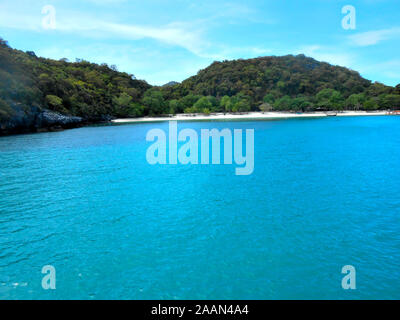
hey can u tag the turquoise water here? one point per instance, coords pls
(324, 193)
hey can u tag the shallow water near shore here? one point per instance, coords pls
(324, 193)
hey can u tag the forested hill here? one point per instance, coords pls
(287, 75)
(37, 93)
(290, 82)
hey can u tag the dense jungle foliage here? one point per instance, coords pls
(288, 83)
(81, 88)
(95, 92)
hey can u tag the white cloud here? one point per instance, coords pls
(172, 34)
(190, 35)
(390, 69)
(373, 37)
(184, 35)
(327, 55)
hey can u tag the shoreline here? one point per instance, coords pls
(199, 117)
(250, 116)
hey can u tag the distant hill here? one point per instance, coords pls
(170, 84)
(38, 93)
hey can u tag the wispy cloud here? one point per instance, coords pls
(230, 12)
(373, 37)
(390, 69)
(185, 35)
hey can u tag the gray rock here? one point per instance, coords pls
(49, 118)
(32, 119)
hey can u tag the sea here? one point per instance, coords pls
(83, 215)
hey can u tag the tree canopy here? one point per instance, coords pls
(92, 91)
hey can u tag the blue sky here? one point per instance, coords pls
(160, 40)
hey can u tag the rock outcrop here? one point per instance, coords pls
(47, 119)
(33, 119)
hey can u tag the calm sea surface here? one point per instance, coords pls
(324, 193)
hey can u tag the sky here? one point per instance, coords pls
(170, 40)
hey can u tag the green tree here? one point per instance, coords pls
(175, 106)
(135, 110)
(214, 103)
(371, 104)
(329, 99)
(283, 103)
(123, 100)
(241, 103)
(202, 104)
(389, 101)
(123, 106)
(355, 101)
(226, 104)
(299, 104)
(189, 100)
(269, 98)
(55, 103)
(154, 101)
(5, 110)
(189, 110)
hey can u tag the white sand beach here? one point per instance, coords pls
(251, 115)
